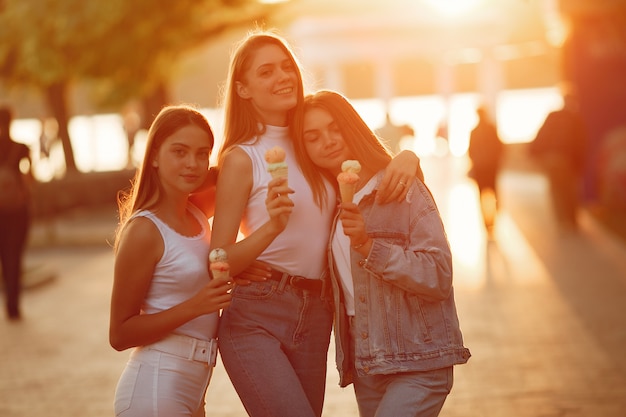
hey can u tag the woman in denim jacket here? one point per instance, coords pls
(396, 326)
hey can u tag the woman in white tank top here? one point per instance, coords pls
(164, 303)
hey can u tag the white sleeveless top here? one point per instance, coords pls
(180, 273)
(301, 248)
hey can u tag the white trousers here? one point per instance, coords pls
(156, 383)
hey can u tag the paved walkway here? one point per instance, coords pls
(543, 314)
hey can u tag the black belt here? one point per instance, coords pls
(314, 285)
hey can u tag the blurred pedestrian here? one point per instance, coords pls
(131, 121)
(15, 212)
(393, 134)
(560, 148)
(442, 130)
(391, 273)
(485, 153)
(164, 303)
(442, 142)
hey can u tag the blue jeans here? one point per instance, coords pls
(403, 394)
(273, 341)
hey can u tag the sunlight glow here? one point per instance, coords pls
(99, 142)
(464, 224)
(454, 7)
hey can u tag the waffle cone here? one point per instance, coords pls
(217, 274)
(347, 192)
(280, 172)
(220, 270)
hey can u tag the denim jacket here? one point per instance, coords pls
(406, 318)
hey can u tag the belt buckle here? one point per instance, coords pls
(294, 281)
(304, 283)
(208, 354)
(212, 352)
(301, 282)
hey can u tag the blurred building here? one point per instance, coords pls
(399, 48)
(419, 47)
(376, 49)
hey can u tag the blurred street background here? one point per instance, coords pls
(542, 312)
(85, 81)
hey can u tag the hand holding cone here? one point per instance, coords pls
(348, 178)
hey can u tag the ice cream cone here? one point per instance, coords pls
(220, 270)
(280, 171)
(347, 191)
(219, 264)
(348, 179)
(276, 165)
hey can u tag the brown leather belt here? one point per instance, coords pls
(313, 285)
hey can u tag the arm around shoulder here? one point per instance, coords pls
(398, 177)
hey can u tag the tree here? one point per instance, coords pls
(128, 48)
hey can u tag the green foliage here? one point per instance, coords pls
(124, 48)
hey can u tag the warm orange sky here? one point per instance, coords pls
(454, 7)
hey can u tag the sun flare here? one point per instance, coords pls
(454, 7)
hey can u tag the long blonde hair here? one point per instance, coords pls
(241, 122)
(362, 142)
(146, 189)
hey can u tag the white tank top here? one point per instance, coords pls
(301, 248)
(180, 273)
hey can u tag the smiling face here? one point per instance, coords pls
(270, 84)
(323, 141)
(182, 160)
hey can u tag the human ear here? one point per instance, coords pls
(242, 91)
